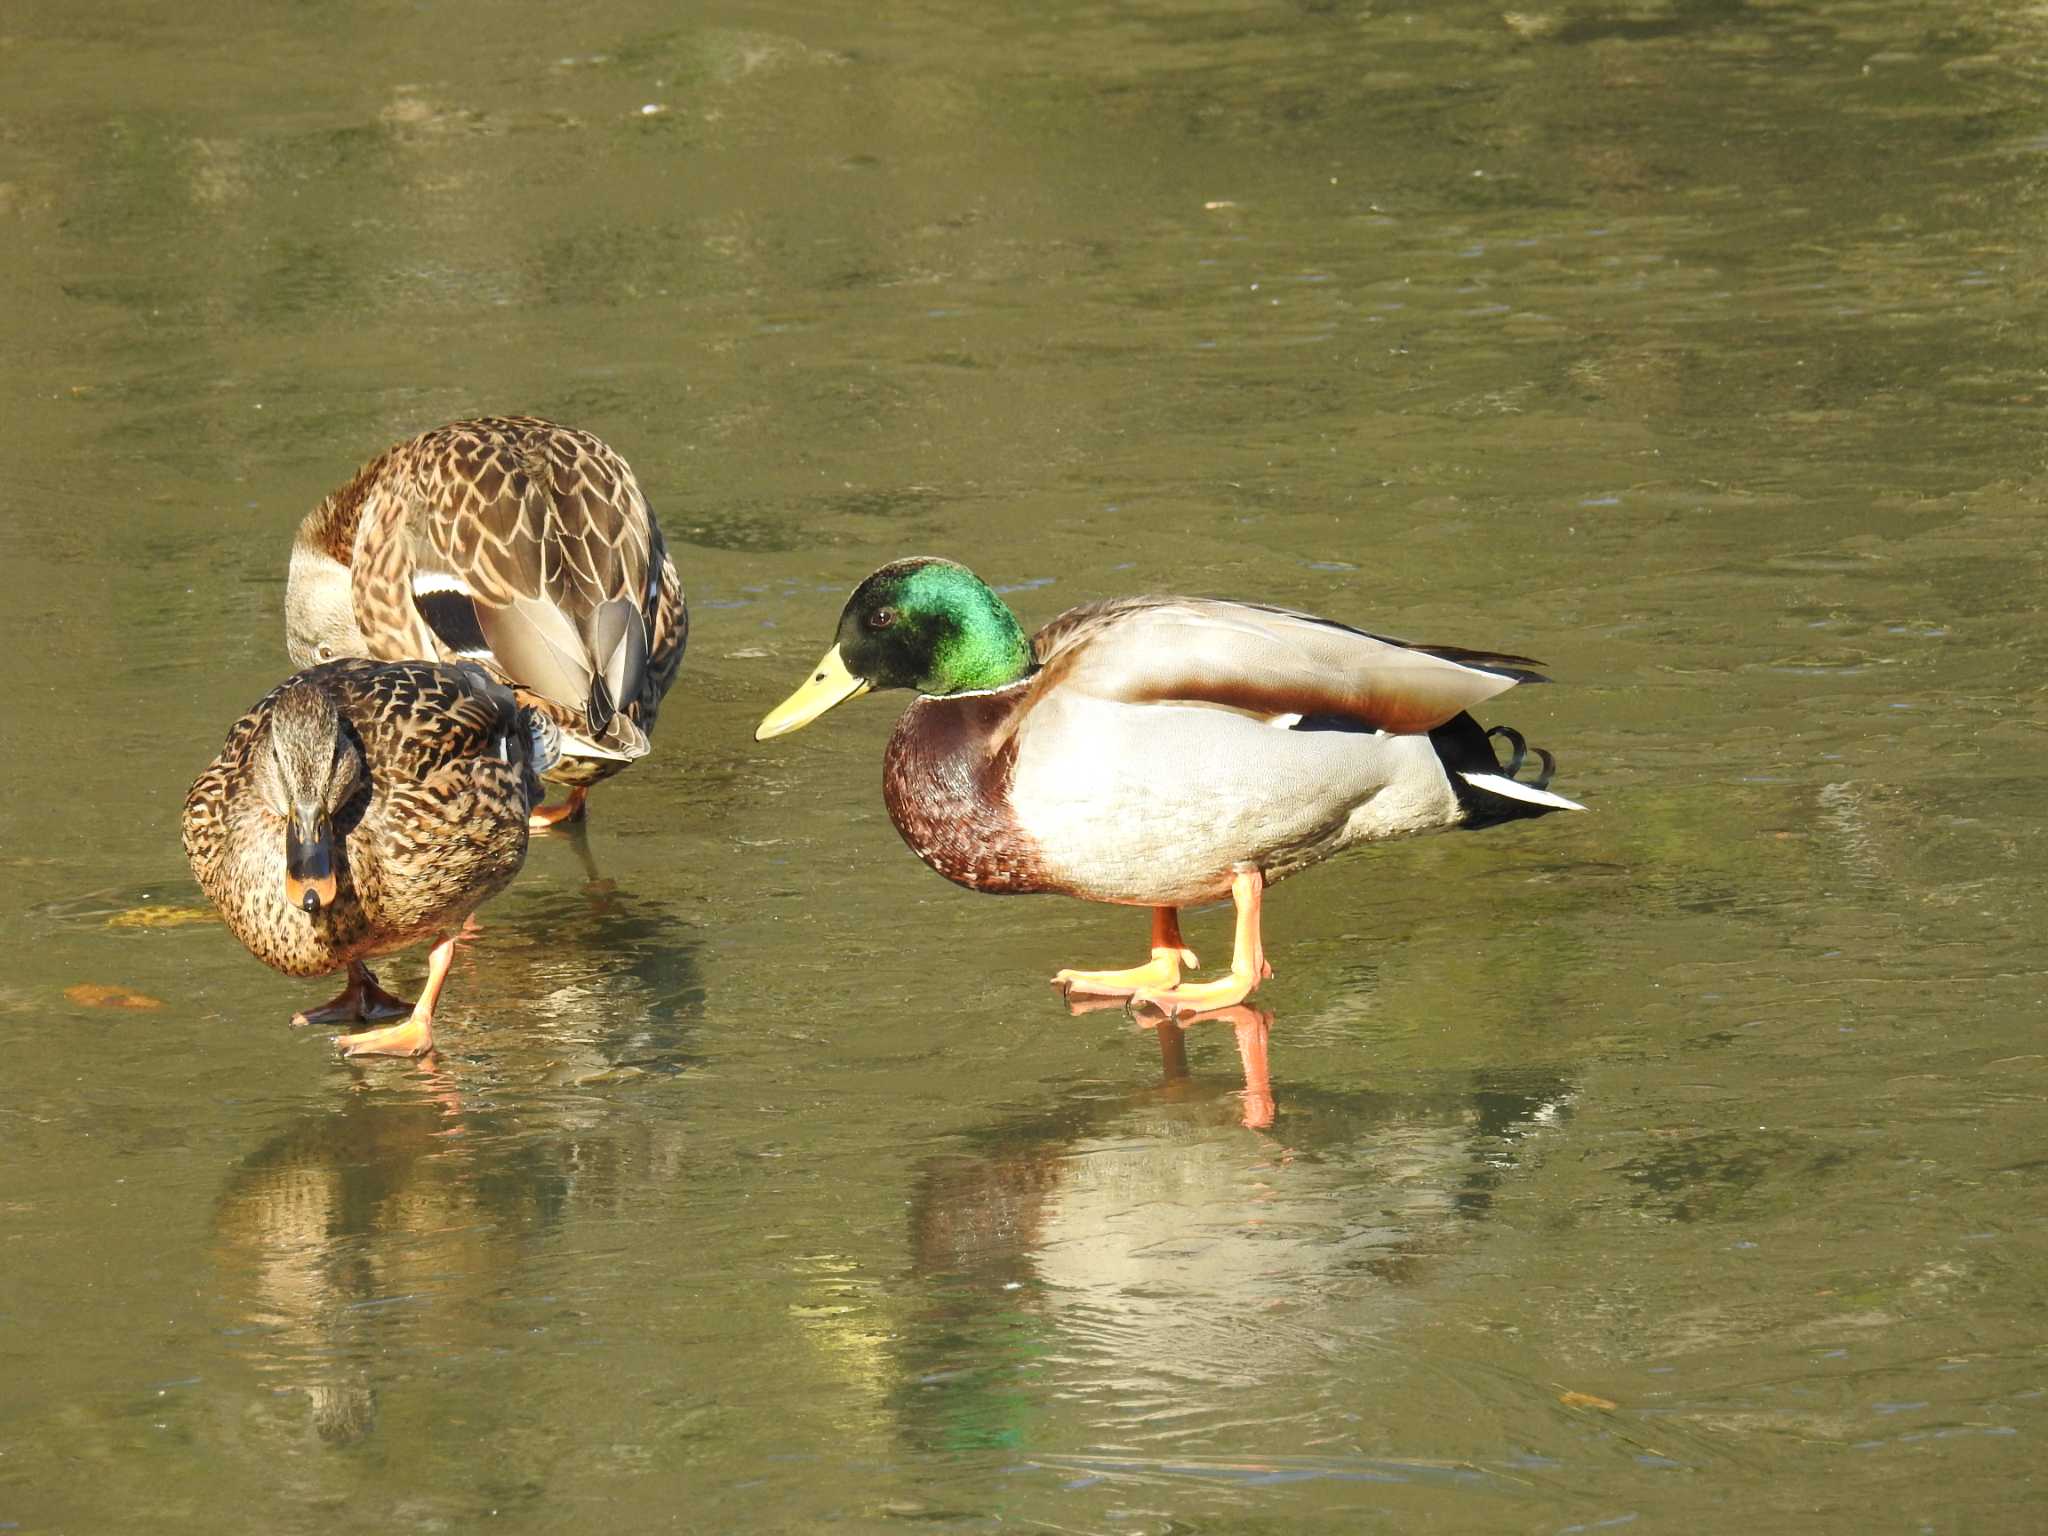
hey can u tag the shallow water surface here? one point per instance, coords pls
(1670, 1167)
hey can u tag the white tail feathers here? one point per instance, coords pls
(630, 743)
(1510, 789)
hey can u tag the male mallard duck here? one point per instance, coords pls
(515, 543)
(1161, 751)
(360, 807)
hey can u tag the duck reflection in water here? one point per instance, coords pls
(1252, 1027)
(1140, 1272)
(330, 1237)
(609, 977)
(402, 1226)
(395, 1224)
(589, 980)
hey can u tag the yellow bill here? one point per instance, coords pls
(829, 684)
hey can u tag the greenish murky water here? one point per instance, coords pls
(1677, 1166)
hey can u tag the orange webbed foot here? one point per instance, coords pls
(1248, 965)
(362, 999)
(543, 817)
(415, 1037)
(1161, 971)
(1193, 997)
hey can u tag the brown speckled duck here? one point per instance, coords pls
(514, 543)
(1162, 751)
(359, 808)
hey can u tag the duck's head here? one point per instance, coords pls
(319, 598)
(926, 624)
(311, 768)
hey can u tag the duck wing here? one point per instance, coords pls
(534, 547)
(1267, 662)
(411, 717)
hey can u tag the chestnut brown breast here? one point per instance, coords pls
(946, 781)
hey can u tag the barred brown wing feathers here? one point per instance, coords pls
(416, 715)
(523, 509)
(519, 545)
(546, 530)
(381, 579)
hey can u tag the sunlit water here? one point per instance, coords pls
(1676, 1165)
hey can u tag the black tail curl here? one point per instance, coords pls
(1516, 741)
(1463, 747)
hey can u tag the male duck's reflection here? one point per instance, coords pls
(1144, 1267)
(1252, 1026)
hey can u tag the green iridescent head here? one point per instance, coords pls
(931, 625)
(926, 624)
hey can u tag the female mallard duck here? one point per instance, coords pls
(515, 543)
(361, 807)
(1161, 751)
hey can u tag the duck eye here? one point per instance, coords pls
(324, 652)
(881, 618)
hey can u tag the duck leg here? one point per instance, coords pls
(1247, 962)
(361, 999)
(1162, 970)
(415, 1037)
(571, 809)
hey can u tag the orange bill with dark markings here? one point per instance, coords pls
(309, 878)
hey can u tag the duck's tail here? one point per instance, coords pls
(1487, 788)
(544, 738)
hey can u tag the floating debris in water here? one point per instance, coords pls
(88, 994)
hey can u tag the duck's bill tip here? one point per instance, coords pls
(829, 684)
(309, 896)
(310, 878)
